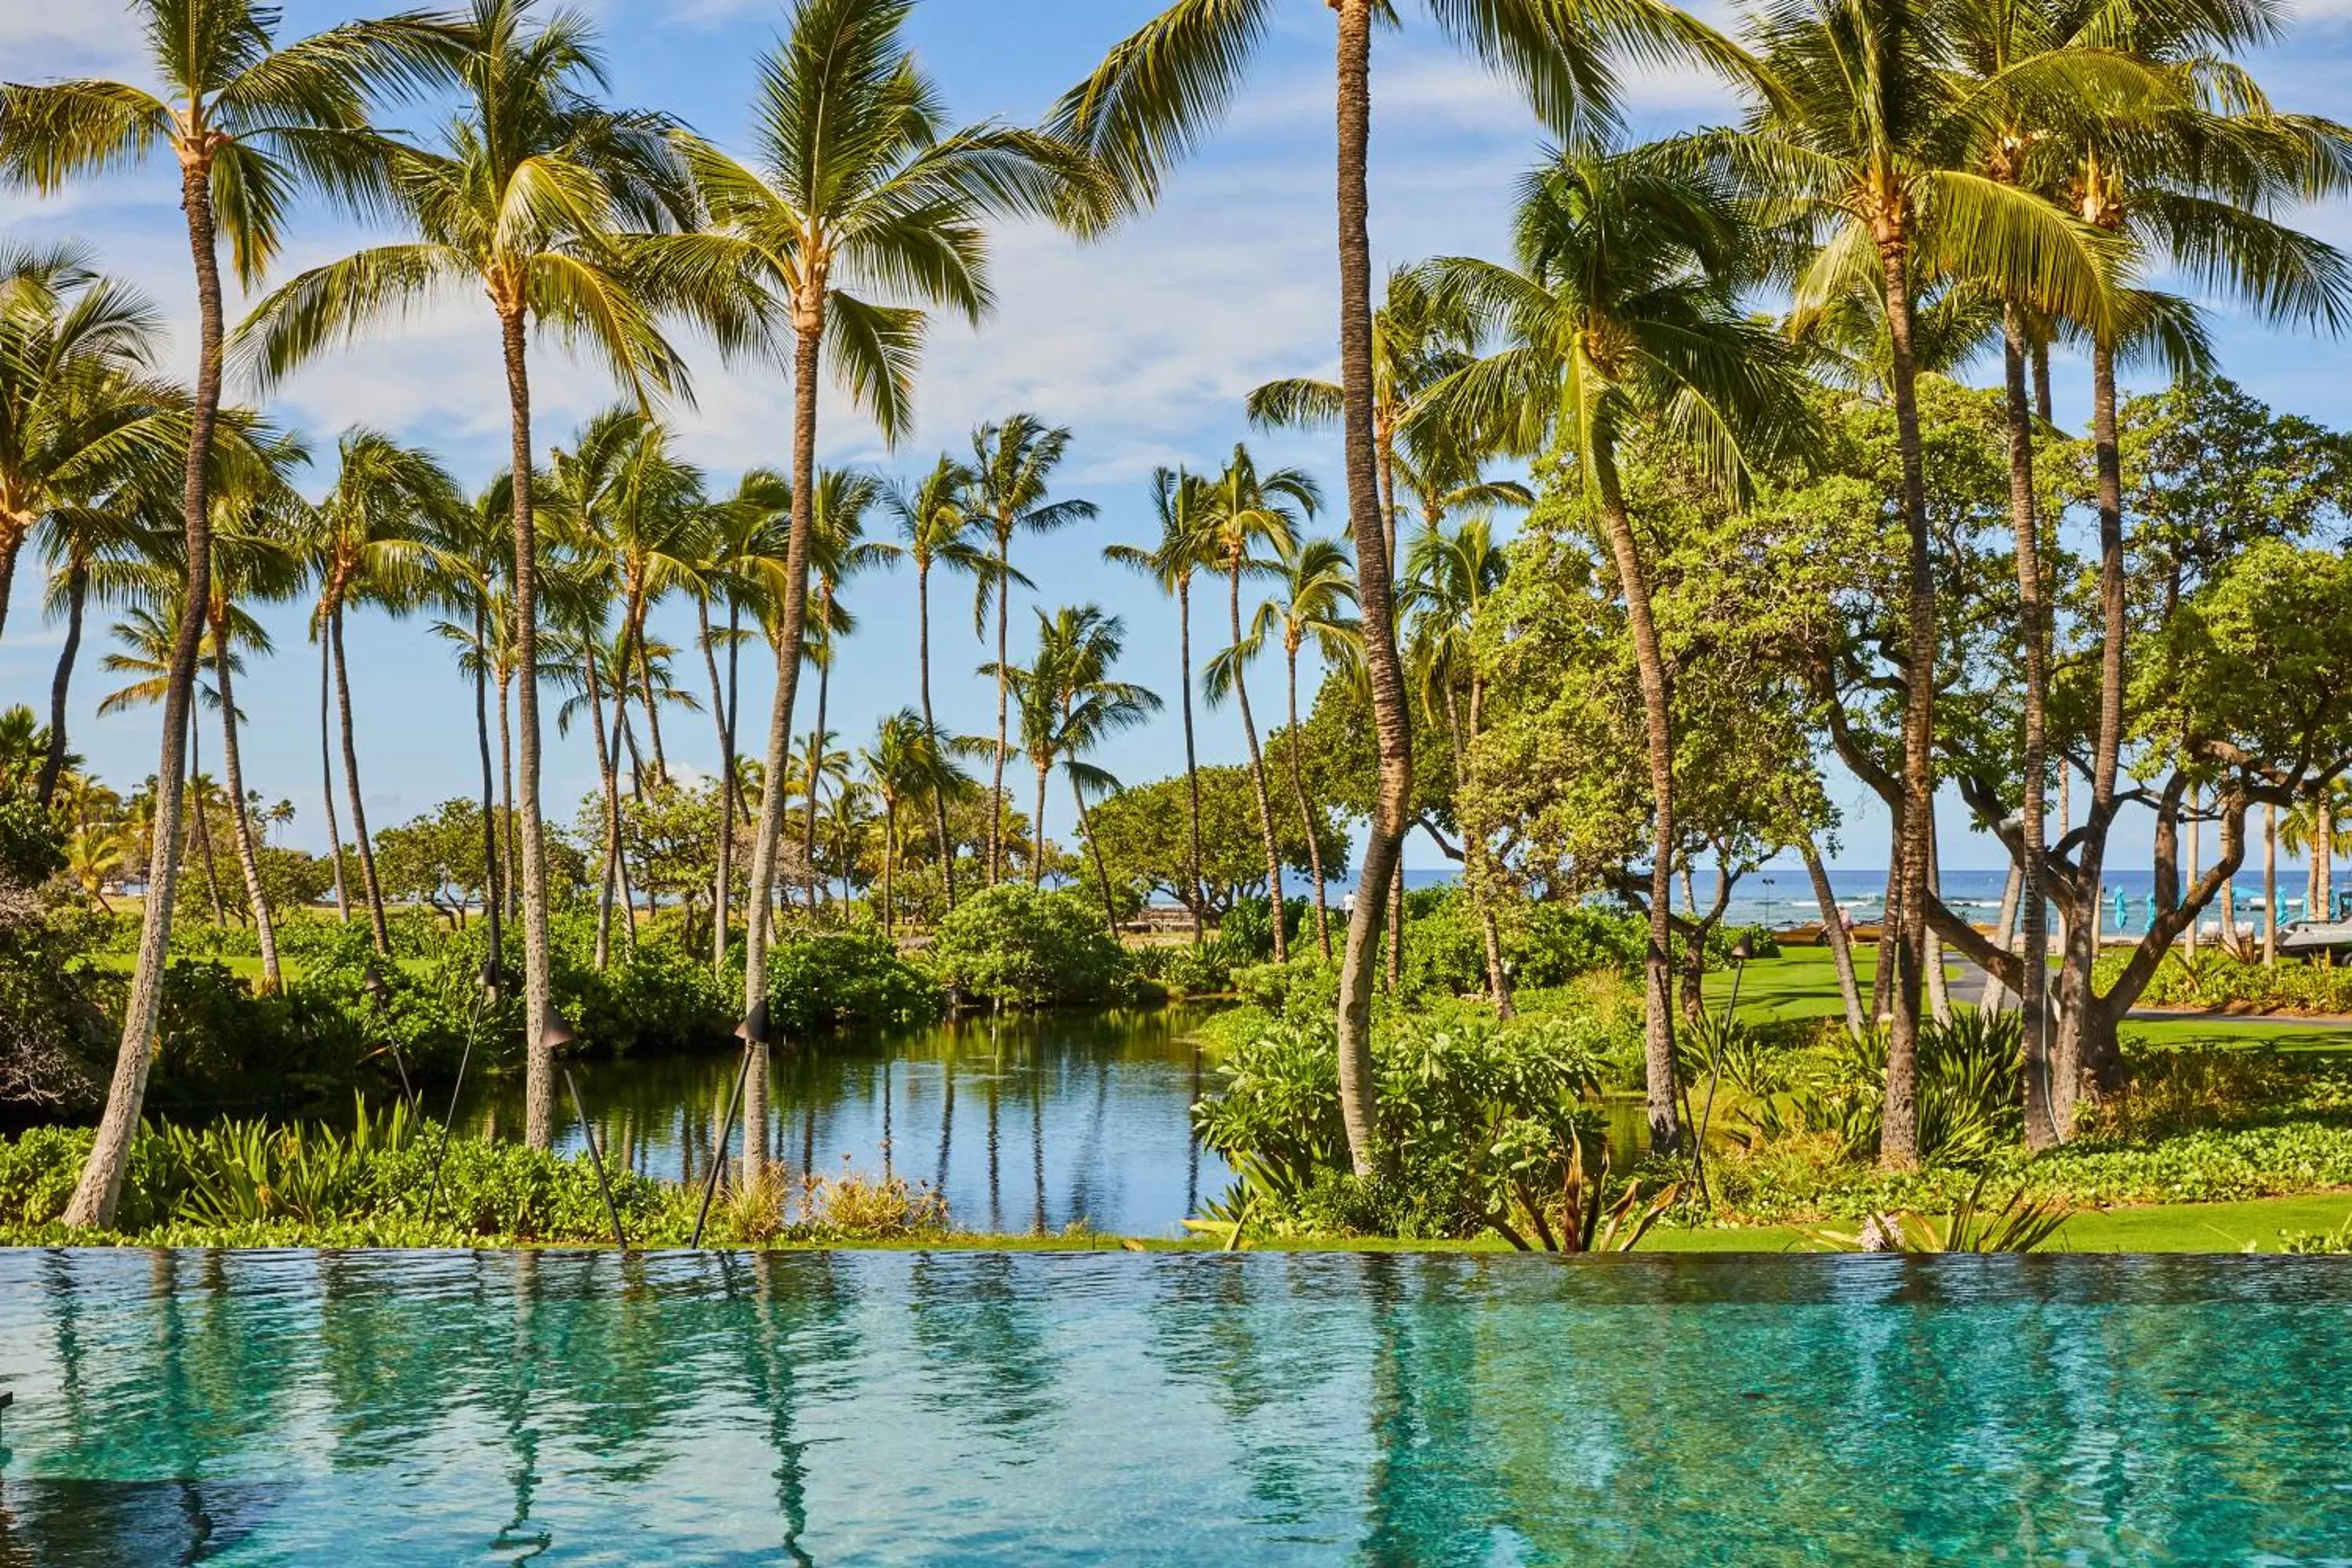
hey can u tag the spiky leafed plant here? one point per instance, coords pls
(563, 212)
(247, 122)
(1152, 99)
(1186, 547)
(1013, 466)
(1623, 312)
(936, 531)
(1863, 145)
(1252, 514)
(854, 182)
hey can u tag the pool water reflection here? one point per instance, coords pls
(592, 1408)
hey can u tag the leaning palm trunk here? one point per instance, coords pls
(809, 326)
(1037, 853)
(327, 771)
(722, 716)
(1257, 773)
(931, 726)
(2032, 905)
(1906, 922)
(491, 893)
(1474, 860)
(201, 826)
(351, 782)
(101, 1185)
(1004, 709)
(248, 859)
(816, 752)
(1195, 894)
(1997, 995)
(538, 1053)
(1834, 932)
(1306, 810)
(608, 771)
(1094, 850)
(2270, 885)
(53, 762)
(1649, 657)
(1366, 526)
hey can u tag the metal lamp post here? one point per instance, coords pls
(554, 1038)
(379, 995)
(750, 1031)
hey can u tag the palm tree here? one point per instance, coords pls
(1013, 465)
(79, 414)
(1069, 705)
(1246, 511)
(1447, 577)
(838, 551)
(855, 181)
(364, 544)
(909, 759)
(246, 123)
(1318, 587)
(561, 210)
(470, 546)
(1864, 141)
(1623, 312)
(1187, 544)
(1152, 100)
(751, 533)
(936, 527)
(147, 635)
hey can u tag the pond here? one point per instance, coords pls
(1026, 1122)
(1042, 1409)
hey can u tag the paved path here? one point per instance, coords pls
(1967, 984)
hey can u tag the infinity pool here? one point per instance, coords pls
(496, 1407)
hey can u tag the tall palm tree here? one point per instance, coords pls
(147, 635)
(1624, 312)
(1152, 99)
(1187, 545)
(1013, 465)
(1071, 703)
(838, 551)
(246, 121)
(1318, 587)
(470, 565)
(1863, 142)
(936, 529)
(855, 182)
(365, 544)
(1448, 576)
(750, 540)
(1248, 512)
(561, 210)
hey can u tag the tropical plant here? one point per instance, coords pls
(935, 529)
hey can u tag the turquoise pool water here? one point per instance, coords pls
(390, 1408)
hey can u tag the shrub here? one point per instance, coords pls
(1562, 942)
(856, 1207)
(846, 977)
(1246, 931)
(1480, 1121)
(1185, 970)
(2219, 982)
(1026, 947)
(1303, 989)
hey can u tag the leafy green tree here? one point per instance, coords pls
(1144, 835)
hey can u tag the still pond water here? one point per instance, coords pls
(394, 1408)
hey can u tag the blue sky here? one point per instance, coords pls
(1145, 344)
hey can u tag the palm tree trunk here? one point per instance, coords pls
(1257, 769)
(1899, 1139)
(2323, 852)
(1834, 932)
(1997, 995)
(722, 715)
(538, 1094)
(327, 770)
(53, 764)
(202, 827)
(273, 979)
(1366, 526)
(1474, 869)
(1306, 811)
(1094, 851)
(809, 325)
(889, 863)
(1649, 658)
(816, 743)
(1003, 697)
(608, 772)
(653, 710)
(100, 1184)
(1038, 856)
(1198, 898)
(923, 683)
(13, 532)
(2270, 885)
(351, 782)
(511, 859)
(491, 891)
(2032, 905)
